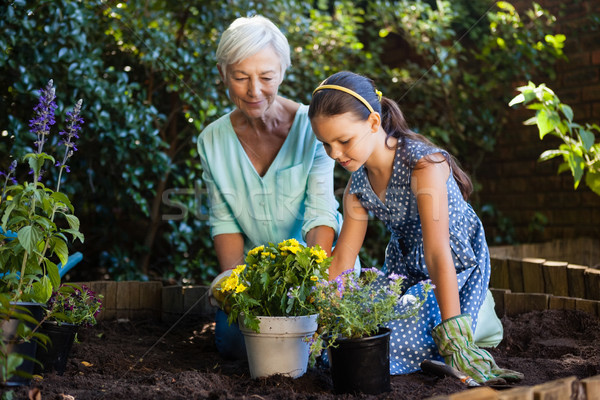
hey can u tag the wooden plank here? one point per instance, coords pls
(133, 309)
(519, 303)
(533, 275)
(576, 280)
(499, 300)
(562, 303)
(589, 306)
(110, 300)
(592, 283)
(515, 275)
(553, 390)
(517, 393)
(478, 393)
(591, 387)
(555, 278)
(499, 273)
(172, 303)
(150, 299)
(196, 299)
(122, 296)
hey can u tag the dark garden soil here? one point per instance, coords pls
(184, 364)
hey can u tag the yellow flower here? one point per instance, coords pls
(314, 278)
(273, 256)
(238, 270)
(256, 250)
(240, 288)
(230, 283)
(289, 242)
(320, 255)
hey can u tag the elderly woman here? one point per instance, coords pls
(268, 177)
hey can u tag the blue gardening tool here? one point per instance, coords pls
(73, 260)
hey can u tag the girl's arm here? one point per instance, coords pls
(352, 235)
(429, 186)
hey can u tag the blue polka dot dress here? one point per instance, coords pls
(411, 341)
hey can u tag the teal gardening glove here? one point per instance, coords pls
(454, 339)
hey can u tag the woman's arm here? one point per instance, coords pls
(429, 186)
(230, 250)
(321, 235)
(352, 235)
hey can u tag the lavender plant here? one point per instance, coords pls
(35, 220)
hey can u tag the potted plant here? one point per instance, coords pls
(70, 307)
(35, 220)
(272, 298)
(353, 312)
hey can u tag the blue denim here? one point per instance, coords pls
(228, 338)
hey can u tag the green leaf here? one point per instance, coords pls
(592, 180)
(545, 123)
(58, 196)
(53, 274)
(587, 138)
(576, 163)
(60, 249)
(567, 111)
(73, 221)
(549, 154)
(29, 237)
(42, 290)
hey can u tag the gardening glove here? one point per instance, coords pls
(216, 295)
(454, 339)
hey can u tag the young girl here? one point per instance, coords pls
(420, 193)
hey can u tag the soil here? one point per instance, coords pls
(150, 360)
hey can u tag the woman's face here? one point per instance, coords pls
(254, 81)
(346, 139)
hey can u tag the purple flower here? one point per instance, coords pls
(394, 276)
(73, 127)
(373, 270)
(8, 175)
(43, 116)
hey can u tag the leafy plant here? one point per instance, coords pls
(30, 233)
(277, 280)
(579, 151)
(73, 304)
(352, 307)
(17, 326)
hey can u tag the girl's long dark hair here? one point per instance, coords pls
(331, 102)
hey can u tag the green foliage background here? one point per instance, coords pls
(147, 75)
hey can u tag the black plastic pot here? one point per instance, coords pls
(361, 365)
(54, 354)
(26, 349)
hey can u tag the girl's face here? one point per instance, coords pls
(254, 81)
(346, 139)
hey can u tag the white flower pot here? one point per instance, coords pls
(281, 347)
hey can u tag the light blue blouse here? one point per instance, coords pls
(294, 195)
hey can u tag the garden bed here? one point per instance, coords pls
(145, 359)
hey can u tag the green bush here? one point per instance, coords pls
(146, 72)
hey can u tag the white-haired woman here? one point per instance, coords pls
(268, 178)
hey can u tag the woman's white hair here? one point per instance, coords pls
(246, 36)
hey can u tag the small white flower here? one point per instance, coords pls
(407, 300)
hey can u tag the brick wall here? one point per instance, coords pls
(512, 178)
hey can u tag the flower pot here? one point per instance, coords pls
(361, 365)
(54, 354)
(27, 349)
(281, 347)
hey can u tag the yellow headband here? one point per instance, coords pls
(350, 92)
